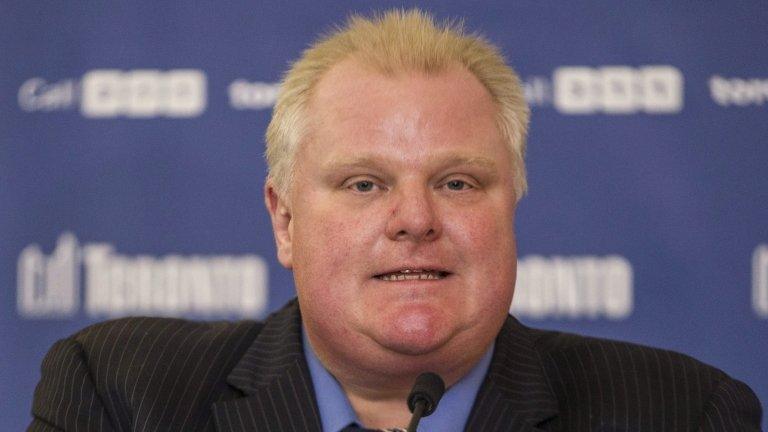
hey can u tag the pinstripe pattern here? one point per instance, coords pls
(274, 378)
(108, 376)
(153, 374)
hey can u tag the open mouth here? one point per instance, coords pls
(412, 274)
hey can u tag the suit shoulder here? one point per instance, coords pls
(563, 349)
(140, 330)
(141, 355)
(161, 363)
(602, 376)
(115, 341)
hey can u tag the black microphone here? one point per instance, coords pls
(426, 393)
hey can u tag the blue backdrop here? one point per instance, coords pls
(131, 137)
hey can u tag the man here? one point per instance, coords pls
(396, 165)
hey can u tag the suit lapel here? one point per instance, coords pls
(515, 395)
(274, 378)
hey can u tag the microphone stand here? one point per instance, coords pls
(418, 412)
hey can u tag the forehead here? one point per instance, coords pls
(354, 101)
(358, 77)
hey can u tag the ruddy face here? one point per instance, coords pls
(399, 225)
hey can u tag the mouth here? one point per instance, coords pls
(408, 274)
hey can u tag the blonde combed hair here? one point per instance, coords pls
(392, 42)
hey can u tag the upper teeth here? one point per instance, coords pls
(409, 274)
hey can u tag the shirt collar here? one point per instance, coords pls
(451, 415)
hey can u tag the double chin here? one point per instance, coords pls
(413, 330)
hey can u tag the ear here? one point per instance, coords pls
(280, 213)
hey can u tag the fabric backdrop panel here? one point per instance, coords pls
(131, 168)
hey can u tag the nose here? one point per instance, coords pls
(413, 216)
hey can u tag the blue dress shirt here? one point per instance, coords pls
(451, 415)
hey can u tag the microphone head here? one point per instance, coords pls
(428, 387)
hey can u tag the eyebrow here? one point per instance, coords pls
(449, 161)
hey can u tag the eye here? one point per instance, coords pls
(457, 185)
(363, 186)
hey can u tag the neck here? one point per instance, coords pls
(379, 411)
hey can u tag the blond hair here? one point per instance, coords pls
(392, 42)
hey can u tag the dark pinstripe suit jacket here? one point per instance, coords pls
(152, 374)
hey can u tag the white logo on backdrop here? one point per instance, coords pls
(538, 90)
(109, 93)
(760, 280)
(36, 94)
(618, 90)
(577, 90)
(49, 286)
(252, 95)
(738, 91)
(574, 287)
(118, 285)
(143, 93)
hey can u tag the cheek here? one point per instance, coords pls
(484, 233)
(330, 242)
(485, 241)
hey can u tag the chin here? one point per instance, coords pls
(414, 331)
(413, 347)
